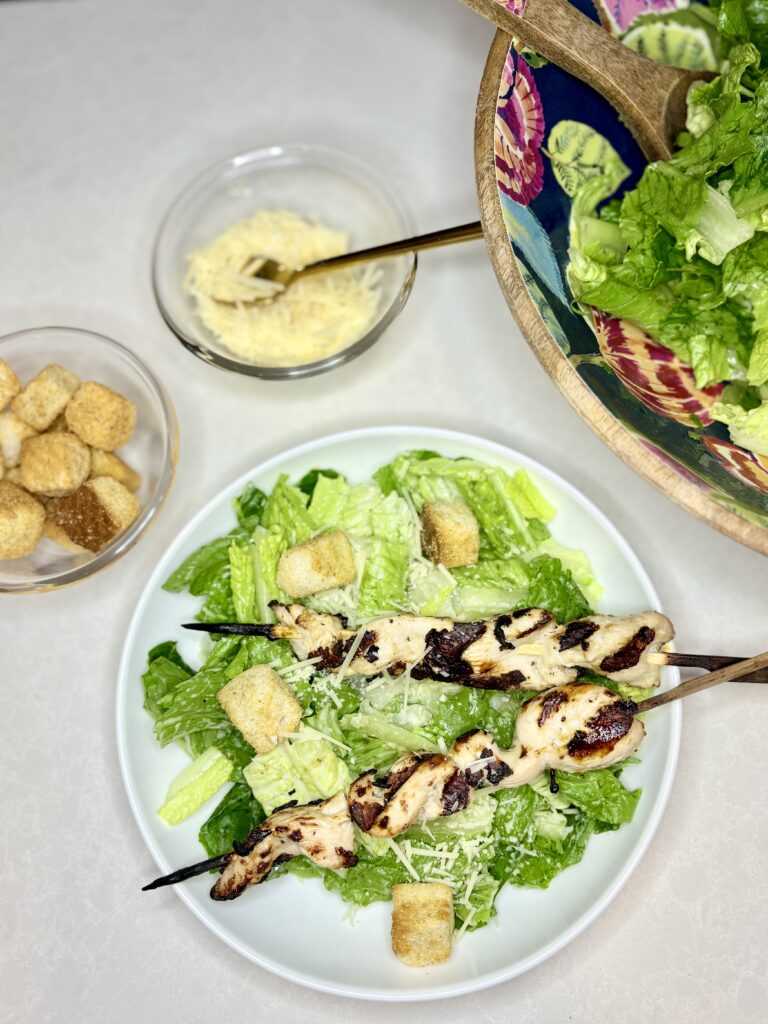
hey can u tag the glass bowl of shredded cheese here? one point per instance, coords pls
(294, 204)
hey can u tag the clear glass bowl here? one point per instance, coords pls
(337, 189)
(151, 451)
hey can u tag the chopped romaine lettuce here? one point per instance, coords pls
(297, 770)
(693, 271)
(232, 820)
(195, 785)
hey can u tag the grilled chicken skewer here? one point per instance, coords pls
(322, 831)
(573, 728)
(523, 649)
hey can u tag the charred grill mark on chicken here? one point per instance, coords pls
(602, 733)
(445, 647)
(629, 655)
(577, 633)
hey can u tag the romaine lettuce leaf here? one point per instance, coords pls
(267, 546)
(286, 510)
(300, 770)
(600, 795)
(232, 820)
(553, 587)
(499, 504)
(206, 572)
(190, 715)
(195, 785)
(166, 669)
(747, 427)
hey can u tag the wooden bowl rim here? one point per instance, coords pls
(552, 358)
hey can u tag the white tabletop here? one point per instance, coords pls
(106, 109)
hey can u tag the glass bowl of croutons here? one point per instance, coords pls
(87, 453)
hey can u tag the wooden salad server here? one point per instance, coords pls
(650, 97)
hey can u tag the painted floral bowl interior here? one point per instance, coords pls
(547, 126)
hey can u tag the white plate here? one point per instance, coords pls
(293, 926)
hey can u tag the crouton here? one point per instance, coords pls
(13, 476)
(54, 464)
(10, 385)
(21, 521)
(450, 534)
(107, 464)
(59, 425)
(422, 923)
(318, 564)
(261, 706)
(12, 432)
(46, 396)
(54, 532)
(101, 417)
(95, 513)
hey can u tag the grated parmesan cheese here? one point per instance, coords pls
(315, 318)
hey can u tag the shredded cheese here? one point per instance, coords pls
(308, 733)
(404, 860)
(466, 923)
(349, 656)
(316, 316)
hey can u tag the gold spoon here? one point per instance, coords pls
(650, 97)
(278, 273)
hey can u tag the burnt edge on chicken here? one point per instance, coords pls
(604, 730)
(445, 647)
(629, 655)
(577, 633)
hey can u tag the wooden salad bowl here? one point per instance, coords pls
(636, 395)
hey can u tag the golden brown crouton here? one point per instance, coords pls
(101, 417)
(59, 425)
(10, 385)
(21, 521)
(54, 464)
(12, 432)
(107, 464)
(96, 512)
(318, 564)
(450, 534)
(261, 706)
(54, 532)
(422, 923)
(46, 396)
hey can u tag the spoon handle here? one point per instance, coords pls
(649, 96)
(432, 240)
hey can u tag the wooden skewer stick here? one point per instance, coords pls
(708, 661)
(722, 675)
(190, 872)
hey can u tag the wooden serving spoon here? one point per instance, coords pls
(650, 97)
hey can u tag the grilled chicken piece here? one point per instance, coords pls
(311, 634)
(575, 728)
(322, 831)
(524, 649)
(419, 787)
(613, 646)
